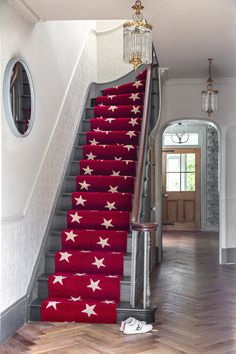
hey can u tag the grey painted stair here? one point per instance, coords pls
(50, 264)
(43, 287)
(58, 221)
(124, 311)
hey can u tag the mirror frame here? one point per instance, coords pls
(6, 96)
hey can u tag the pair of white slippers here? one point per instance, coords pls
(134, 326)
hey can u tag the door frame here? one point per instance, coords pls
(198, 180)
(158, 179)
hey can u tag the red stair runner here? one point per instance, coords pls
(86, 284)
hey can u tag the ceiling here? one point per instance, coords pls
(185, 34)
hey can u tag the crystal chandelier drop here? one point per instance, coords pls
(179, 133)
(209, 96)
(137, 40)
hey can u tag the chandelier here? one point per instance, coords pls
(209, 96)
(137, 40)
(179, 133)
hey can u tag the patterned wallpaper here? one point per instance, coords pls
(212, 177)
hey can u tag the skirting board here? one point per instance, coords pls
(228, 255)
(13, 318)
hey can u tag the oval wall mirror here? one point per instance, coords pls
(18, 97)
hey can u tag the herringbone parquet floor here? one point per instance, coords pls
(197, 310)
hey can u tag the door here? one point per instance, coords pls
(181, 189)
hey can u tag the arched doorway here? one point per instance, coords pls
(188, 199)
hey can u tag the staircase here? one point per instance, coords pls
(85, 269)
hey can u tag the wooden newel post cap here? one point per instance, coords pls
(145, 227)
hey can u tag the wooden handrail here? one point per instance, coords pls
(135, 224)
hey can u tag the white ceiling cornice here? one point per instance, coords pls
(25, 11)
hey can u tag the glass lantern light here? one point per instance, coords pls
(209, 96)
(137, 40)
(179, 133)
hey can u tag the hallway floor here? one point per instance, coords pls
(197, 310)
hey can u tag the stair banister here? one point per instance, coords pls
(137, 225)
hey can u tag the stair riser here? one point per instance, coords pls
(89, 113)
(50, 265)
(69, 185)
(85, 125)
(56, 243)
(43, 290)
(78, 153)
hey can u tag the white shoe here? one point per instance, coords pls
(130, 322)
(138, 327)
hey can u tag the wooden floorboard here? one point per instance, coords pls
(197, 310)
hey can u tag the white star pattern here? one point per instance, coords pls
(84, 185)
(118, 158)
(110, 206)
(112, 276)
(109, 120)
(93, 142)
(133, 121)
(103, 242)
(52, 304)
(129, 147)
(108, 302)
(113, 189)
(135, 109)
(137, 84)
(88, 170)
(80, 200)
(89, 310)
(75, 298)
(112, 108)
(70, 236)
(90, 156)
(97, 129)
(134, 96)
(65, 256)
(85, 251)
(111, 96)
(127, 161)
(58, 279)
(107, 223)
(115, 173)
(98, 262)
(131, 133)
(76, 217)
(94, 285)
(101, 104)
(80, 274)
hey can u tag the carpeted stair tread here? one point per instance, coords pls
(118, 111)
(109, 152)
(87, 286)
(101, 262)
(111, 124)
(111, 184)
(131, 87)
(101, 201)
(79, 310)
(108, 167)
(112, 137)
(122, 99)
(94, 240)
(98, 219)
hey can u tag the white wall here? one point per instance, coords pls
(110, 51)
(182, 99)
(32, 166)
